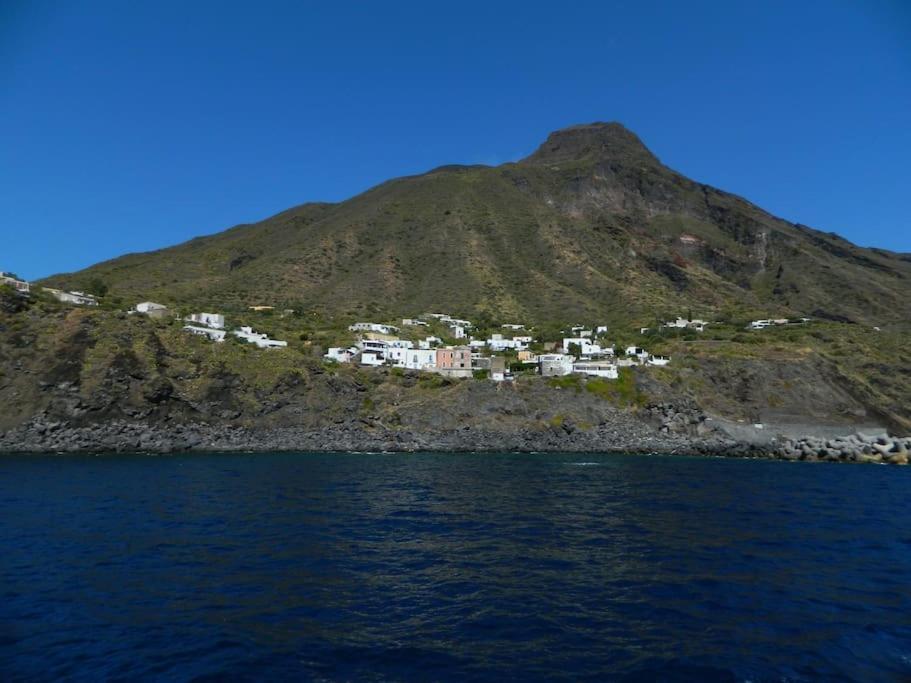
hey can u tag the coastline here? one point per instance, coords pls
(136, 437)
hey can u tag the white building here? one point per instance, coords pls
(149, 306)
(513, 326)
(555, 364)
(413, 322)
(376, 345)
(261, 340)
(340, 354)
(14, 282)
(420, 359)
(658, 360)
(372, 358)
(211, 333)
(429, 342)
(498, 342)
(78, 298)
(596, 369)
(585, 344)
(213, 320)
(601, 329)
(637, 352)
(373, 327)
(683, 323)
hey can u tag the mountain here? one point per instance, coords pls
(590, 226)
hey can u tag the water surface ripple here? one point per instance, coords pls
(452, 567)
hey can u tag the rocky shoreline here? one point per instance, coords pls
(136, 437)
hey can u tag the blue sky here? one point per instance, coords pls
(129, 126)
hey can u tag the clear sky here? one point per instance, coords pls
(128, 126)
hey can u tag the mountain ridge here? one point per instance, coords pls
(590, 224)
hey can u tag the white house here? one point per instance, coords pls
(596, 368)
(420, 359)
(213, 320)
(586, 347)
(211, 333)
(372, 358)
(413, 322)
(637, 352)
(149, 306)
(555, 364)
(658, 360)
(760, 324)
(78, 298)
(261, 340)
(458, 331)
(684, 323)
(375, 345)
(340, 354)
(373, 327)
(429, 342)
(498, 342)
(601, 329)
(401, 344)
(513, 326)
(15, 283)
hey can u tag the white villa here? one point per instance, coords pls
(596, 369)
(212, 333)
(261, 340)
(555, 364)
(586, 346)
(419, 359)
(213, 320)
(429, 342)
(150, 308)
(15, 283)
(373, 327)
(683, 323)
(658, 360)
(340, 354)
(78, 298)
(637, 352)
(498, 342)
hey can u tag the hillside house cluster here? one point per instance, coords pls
(209, 325)
(77, 298)
(584, 352)
(13, 281)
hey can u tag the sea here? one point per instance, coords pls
(452, 567)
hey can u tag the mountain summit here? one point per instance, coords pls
(589, 226)
(591, 142)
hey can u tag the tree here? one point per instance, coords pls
(97, 287)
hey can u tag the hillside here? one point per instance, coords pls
(590, 226)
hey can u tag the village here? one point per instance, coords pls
(455, 349)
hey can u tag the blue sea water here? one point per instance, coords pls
(452, 568)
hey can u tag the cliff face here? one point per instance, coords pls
(591, 225)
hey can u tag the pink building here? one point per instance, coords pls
(454, 357)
